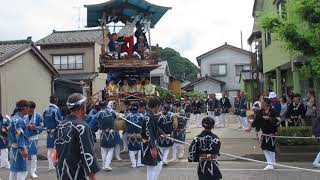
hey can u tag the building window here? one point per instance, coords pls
(243, 67)
(68, 62)
(218, 69)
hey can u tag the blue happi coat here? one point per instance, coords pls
(4, 125)
(51, 118)
(134, 132)
(243, 107)
(18, 140)
(93, 124)
(165, 125)
(36, 120)
(180, 132)
(105, 119)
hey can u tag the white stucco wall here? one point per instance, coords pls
(209, 86)
(230, 57)
(28, 78)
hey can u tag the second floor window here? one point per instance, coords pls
(218, 69)
(68, 62)
(240, 68)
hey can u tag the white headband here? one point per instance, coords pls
(78, 103)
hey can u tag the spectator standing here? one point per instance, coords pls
(284, 109)
(310, 118)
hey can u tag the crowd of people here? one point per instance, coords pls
(151, 130)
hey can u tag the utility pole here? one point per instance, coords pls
(241, 39)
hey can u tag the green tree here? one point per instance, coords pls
(299, 30)
(180, 67)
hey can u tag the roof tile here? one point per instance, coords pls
(72, 37)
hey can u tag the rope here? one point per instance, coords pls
(269, 135)
(231, 155)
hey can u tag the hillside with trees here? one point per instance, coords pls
(180, 67)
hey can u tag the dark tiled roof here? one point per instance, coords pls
(10, 48)
(79, 76)
(72, 37)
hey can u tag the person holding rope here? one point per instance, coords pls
(204, 149)
(166, 127)
(4, 125)
(151, 156)
(124, 137)
(17, 136)
(266, 120)
(112, 105)
(179, 132)
(105, 119)
(74, 143)
(134, 134)
(35, 127)
(51, 118)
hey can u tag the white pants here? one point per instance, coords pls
(317, 160)
(198, 120)
(51, 163)
(153, 172)
(4, 162)
(238, 119)
(18, 175)
(244, 122)
(217, 120)
(211, 113)
(117, 151)
(165, 152)
(225, 119)
(34, 160)
(177, 148)
(106, 154)
(135, 161)
(125, 141)
(270, 157)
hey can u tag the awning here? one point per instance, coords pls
(254, 35)
(123, 11)
(79, 76)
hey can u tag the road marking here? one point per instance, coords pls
(194, 168)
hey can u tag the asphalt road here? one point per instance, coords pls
(231, 170)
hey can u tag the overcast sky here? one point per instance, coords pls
(192, 27)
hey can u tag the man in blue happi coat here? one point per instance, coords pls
(51, 118)
(134, 134)
(106, 118)
(166, 128)
(179, 132)
(243, 110)
(18, 140)
(151, 156)
(35, 126)
(4, 125)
